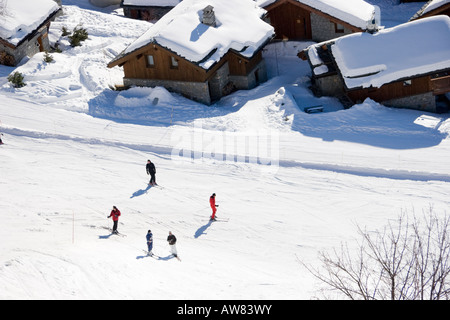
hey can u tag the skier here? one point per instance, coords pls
(172, 241)
(151, 170)
(115, 213)
(149, 238)
(212, 203)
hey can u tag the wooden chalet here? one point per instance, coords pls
(353, 68)
(228, 61)
(317, 20)
(148, 10)
(433, 8)
(24, 31)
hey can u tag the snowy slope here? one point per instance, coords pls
(292, 184)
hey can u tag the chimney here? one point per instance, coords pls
(208, 16)
(372, 25)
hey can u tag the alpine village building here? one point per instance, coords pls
(201, 49)
(319, 20)
(365, 65)
(24, 28)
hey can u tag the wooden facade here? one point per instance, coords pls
(393, 90)
(156, 62)
(292, 20)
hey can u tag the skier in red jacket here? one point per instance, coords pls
(115, 213)
(212, 203)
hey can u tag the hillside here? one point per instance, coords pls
(291, 184)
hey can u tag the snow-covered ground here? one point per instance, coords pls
(291, 184)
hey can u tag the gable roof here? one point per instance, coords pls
(405, 51)
(432, 7)
(239, 28)
(20, 18)
(357, 13)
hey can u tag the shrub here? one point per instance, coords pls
(48, 57)
(16, 79)
(79, 34)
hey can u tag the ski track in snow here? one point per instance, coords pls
(191, 154)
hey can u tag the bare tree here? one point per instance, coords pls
(406, 261)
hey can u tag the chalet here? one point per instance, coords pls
(24, 28)
(319, 20)
(406, 66)
(149, 10)
(202, 49)
(433, 8)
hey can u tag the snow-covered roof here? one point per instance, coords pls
(20, 18)
(149, 3)
(239, 27)
(434, 4)
(358, 13)
(431, 6)
(404, 51)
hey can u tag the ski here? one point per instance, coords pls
(115, 233)
(155, 185)
(220, 220)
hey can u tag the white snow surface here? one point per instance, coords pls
(20, 18)
(239, 27)
(74, 148)
(366, 59)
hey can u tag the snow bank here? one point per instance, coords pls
(141, 97)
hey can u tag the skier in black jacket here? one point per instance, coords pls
(172, 241)
(151, 170)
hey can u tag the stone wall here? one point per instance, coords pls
(253, 79)
(323, 29)
(424, 102)
(330, 85)
(219, 81)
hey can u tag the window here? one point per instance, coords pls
(338, 28)
(150, 61)
(174, 63)
(407, 83)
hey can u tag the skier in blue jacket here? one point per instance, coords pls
(149, 242)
